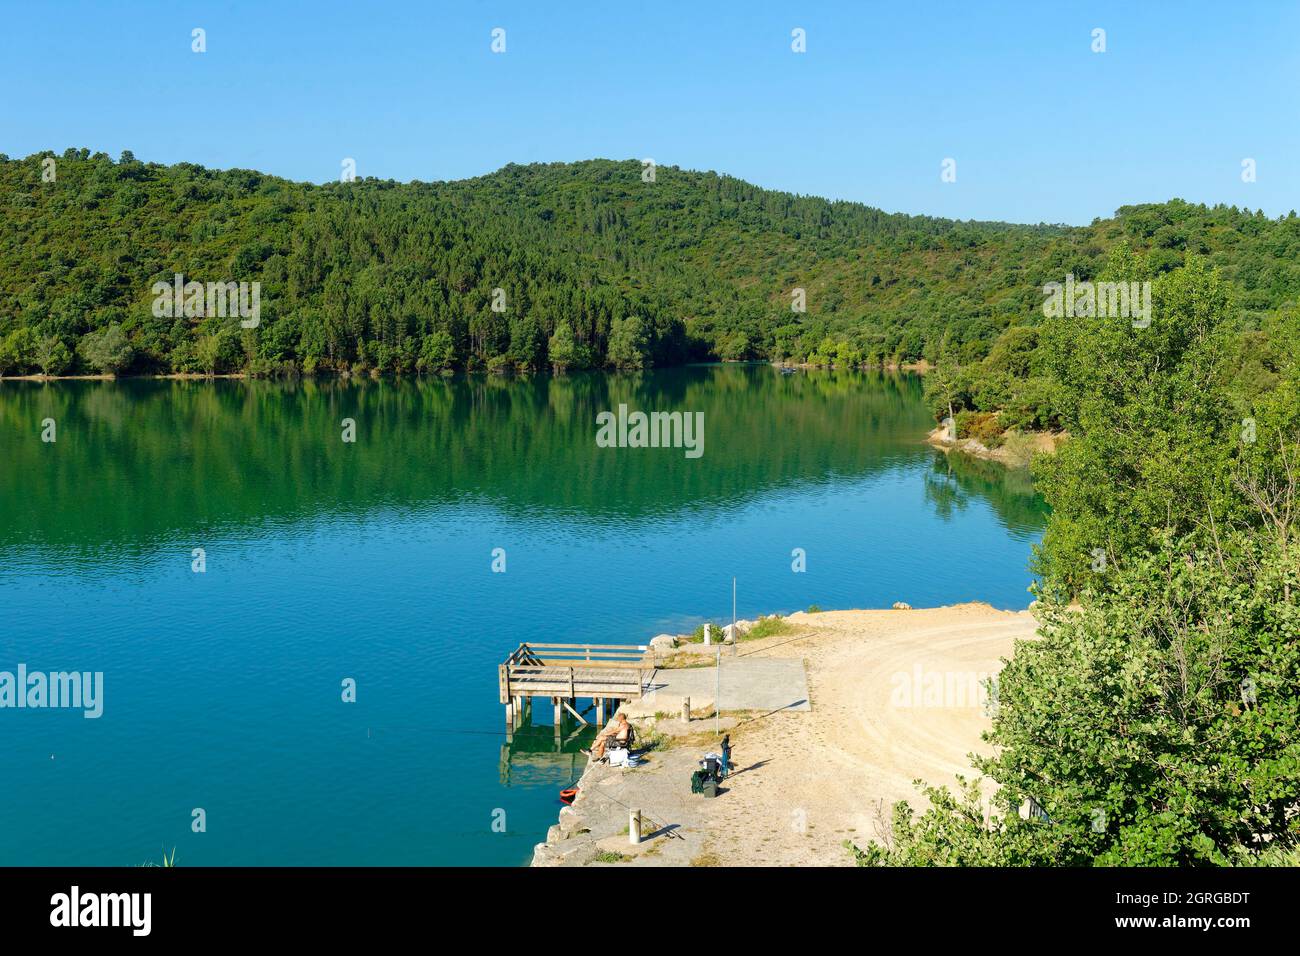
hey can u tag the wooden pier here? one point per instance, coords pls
(606, 673)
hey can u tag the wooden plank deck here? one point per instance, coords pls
(570, 671)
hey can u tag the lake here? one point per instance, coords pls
(373, 560)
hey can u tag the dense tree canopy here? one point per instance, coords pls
(1156, 718)
(376, 275)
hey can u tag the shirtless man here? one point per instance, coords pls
(619, 732)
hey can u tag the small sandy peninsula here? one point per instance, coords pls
(896, 695)
(894, 698)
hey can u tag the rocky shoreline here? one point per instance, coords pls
(594, 830)
(1014, 454)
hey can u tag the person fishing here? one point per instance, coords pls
(620, 733)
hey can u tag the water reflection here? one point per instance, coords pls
(140, 465)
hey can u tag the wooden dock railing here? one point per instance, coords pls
(570, 671)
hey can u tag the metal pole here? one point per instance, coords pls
(717, 693)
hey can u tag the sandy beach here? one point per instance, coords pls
(810, 780)
(896, 696)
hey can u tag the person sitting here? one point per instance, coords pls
(618, 734)
(625, 736)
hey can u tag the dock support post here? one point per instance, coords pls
(634, 827)
(686, 710)
(600, 712)
(576, 716)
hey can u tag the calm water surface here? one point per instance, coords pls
(373, 560)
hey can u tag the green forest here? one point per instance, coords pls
(596, 267)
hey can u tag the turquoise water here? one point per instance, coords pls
(372, 560)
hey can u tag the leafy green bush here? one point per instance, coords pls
(1031, 404)
(984, 427)
(697, 636)
(107, 350)
(18, 352)
(772, 626)
(1151, 422)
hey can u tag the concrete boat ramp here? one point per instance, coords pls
(748, 683)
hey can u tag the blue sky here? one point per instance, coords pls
(1041, 127)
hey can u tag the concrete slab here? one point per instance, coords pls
(765, 684)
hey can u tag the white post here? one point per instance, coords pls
(686, 710)
(634, 827)
(707, 635)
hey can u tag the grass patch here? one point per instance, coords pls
(774, 626)
(981, 426)
(697, 636)
(1273, 856)
(683, 660)
(707, 858)
(651, 740)
(609, 856)
(703, 740)
(1019, 448)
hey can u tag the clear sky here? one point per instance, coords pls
(1041, 127)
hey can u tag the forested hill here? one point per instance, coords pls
(596, 266)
